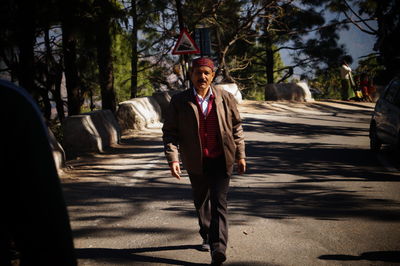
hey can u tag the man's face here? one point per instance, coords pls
(202, 77)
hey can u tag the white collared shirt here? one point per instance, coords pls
(345, 72)
(203, 102)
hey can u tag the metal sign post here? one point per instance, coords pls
(202, 38)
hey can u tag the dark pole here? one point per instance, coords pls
(181, 27)
(180, 18)
(201, 33)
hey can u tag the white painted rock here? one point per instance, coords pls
(163, 98)
(233, 89)
(90, 132)
(58, 152)
(80, 135)
(138, 113)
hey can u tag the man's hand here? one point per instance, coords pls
(241, 166)
(175, 169)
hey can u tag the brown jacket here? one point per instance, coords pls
(181, 130)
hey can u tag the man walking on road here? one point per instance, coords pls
(203, 126)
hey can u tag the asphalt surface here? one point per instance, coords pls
(313, 195)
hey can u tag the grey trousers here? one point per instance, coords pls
(210, 199)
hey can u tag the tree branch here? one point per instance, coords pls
(288, 48)
(371, 30)
(342, 22)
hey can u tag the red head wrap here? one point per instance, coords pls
(203, 61)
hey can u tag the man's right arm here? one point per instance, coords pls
(175, 169)
(171, 139)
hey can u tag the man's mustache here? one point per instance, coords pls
(201, 80)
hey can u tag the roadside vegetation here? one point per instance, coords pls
(107, 51)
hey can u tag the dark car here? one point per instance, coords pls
(385, 121)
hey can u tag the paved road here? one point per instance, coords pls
(313, 195)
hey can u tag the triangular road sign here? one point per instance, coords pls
(185, 44)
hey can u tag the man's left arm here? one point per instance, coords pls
(238, 136)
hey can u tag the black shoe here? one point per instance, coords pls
(218, 257)
(205, 246)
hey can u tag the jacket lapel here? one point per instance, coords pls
(190, 100)
(218, 103)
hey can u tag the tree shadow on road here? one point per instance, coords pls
(289, 201)
(360, 105)
(384, 256)
(279, 128)
(314, 168)
(131, 256)
(313, 172)
(313, 164)
(316, 161)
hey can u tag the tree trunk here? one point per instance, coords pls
(223, 69)
(48, 75)
(70, 58)
(54, 73)
(71, 72)
(269, 62)
(25, 41)
(46, 105)
(269, 65)
(387, 40)
(134, 60)
(104, 59)
(57, 94)
(54, 77)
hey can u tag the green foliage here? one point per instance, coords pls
(88, 71)
(122, 70)
(253, 93)
(373, 69)
(145, 86)
(253, 78)
(328, 83)
(386, 14)
(122, 66)
(56, 129)
(244, 34)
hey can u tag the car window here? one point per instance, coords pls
(392, 92)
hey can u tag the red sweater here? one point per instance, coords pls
(209, 131)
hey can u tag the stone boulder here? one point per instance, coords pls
(90, 132)
(139, 113)
(299, 92)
